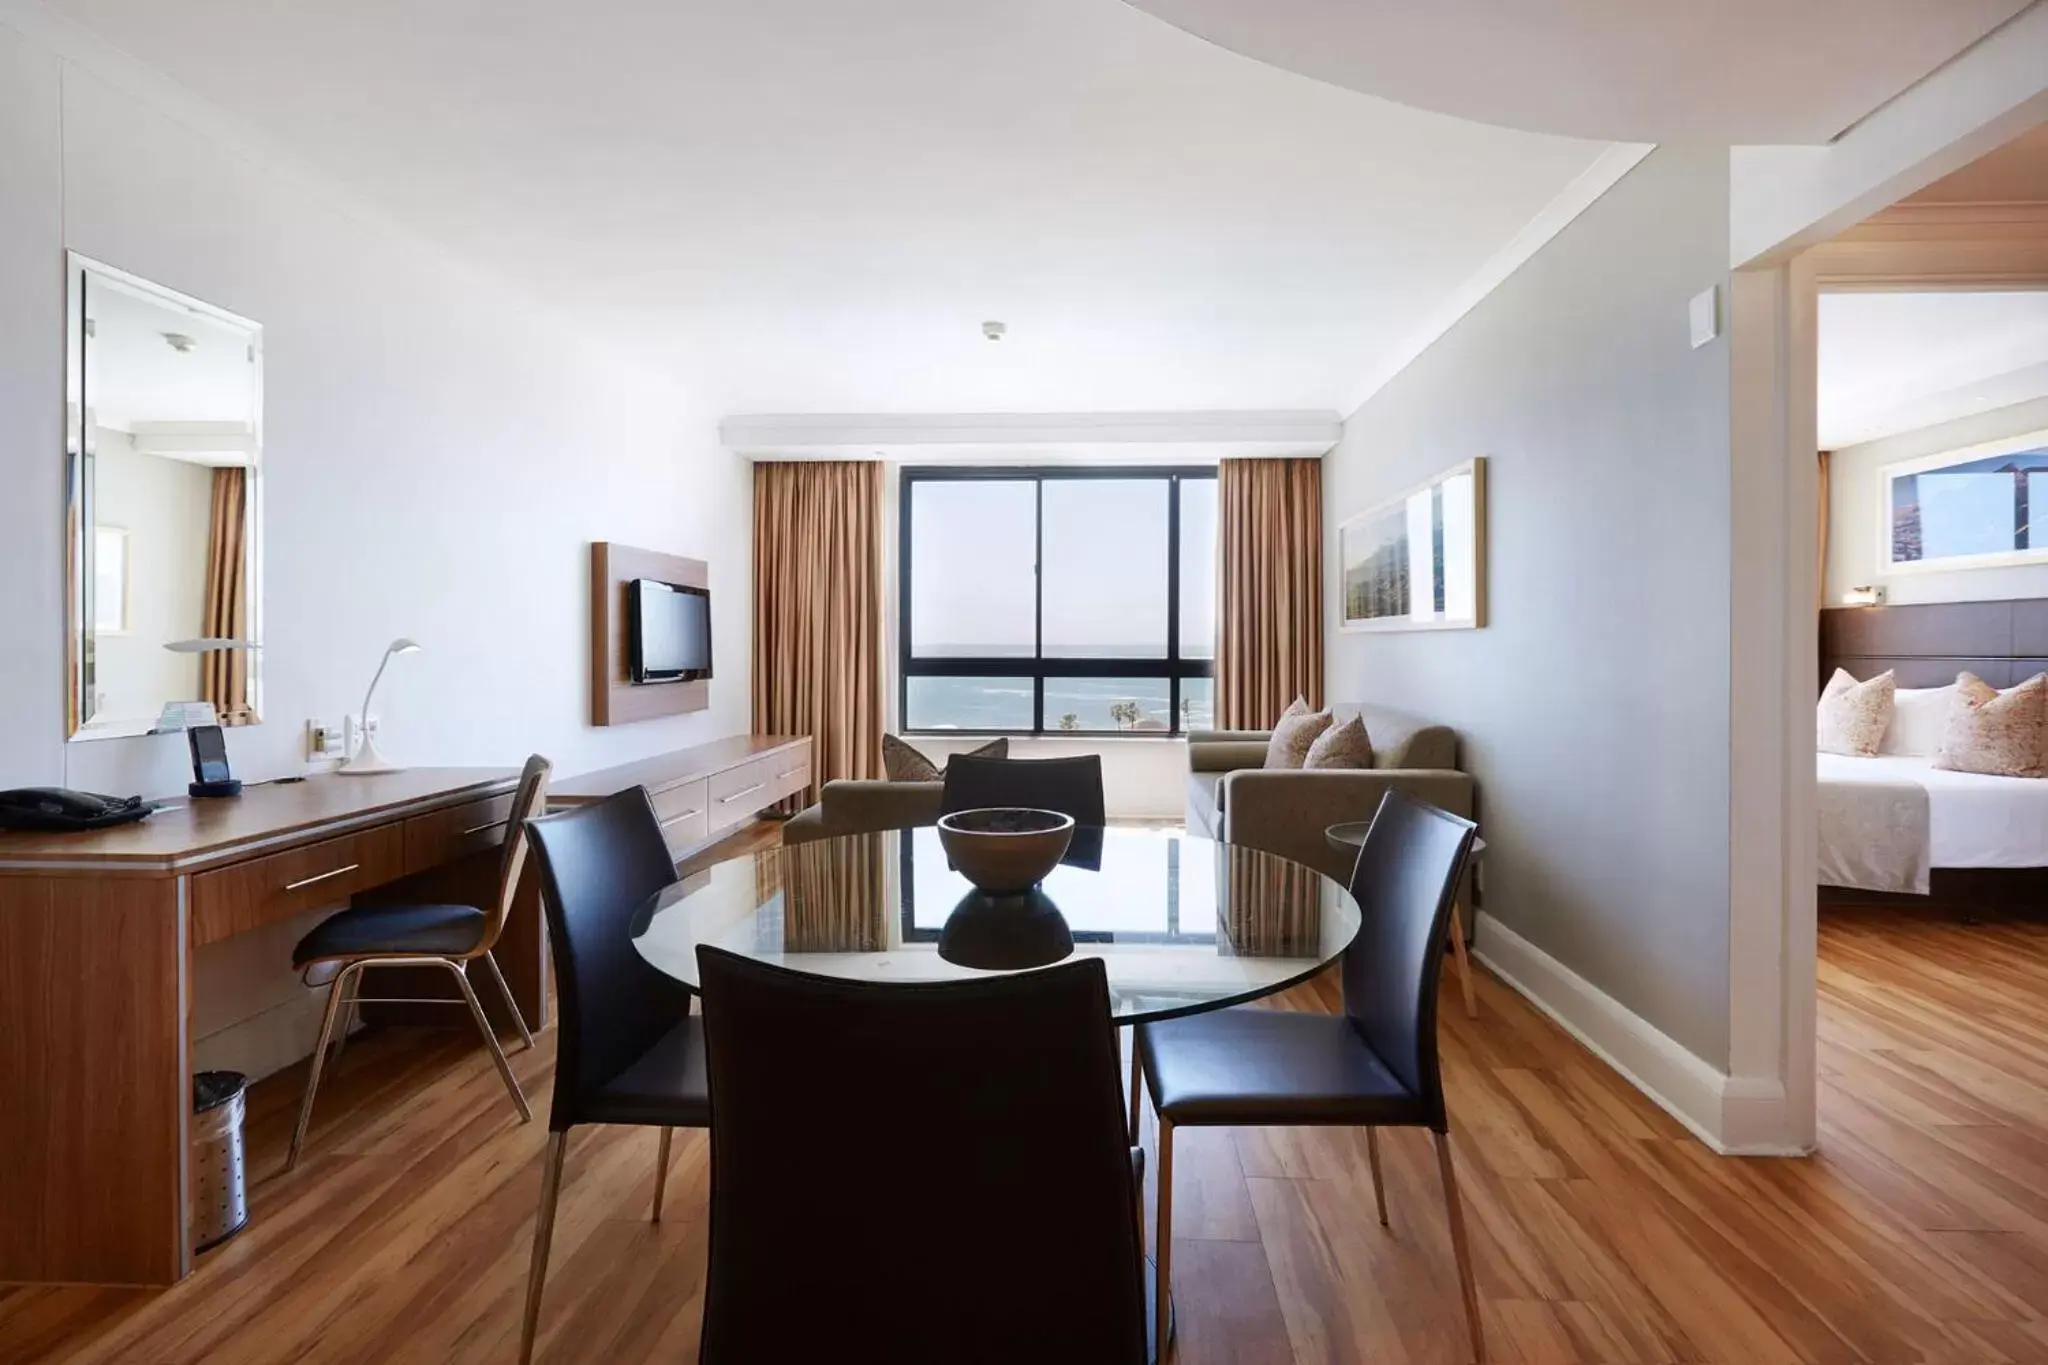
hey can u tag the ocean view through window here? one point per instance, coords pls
(1057, 600)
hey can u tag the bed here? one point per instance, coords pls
(1895, 824)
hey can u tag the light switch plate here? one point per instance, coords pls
(323, 741)
(1705, 315)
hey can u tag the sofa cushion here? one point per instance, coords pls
(903, 762)
(1401, 740)
(1344, 745)
(1295, 732)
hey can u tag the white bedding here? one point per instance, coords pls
(1972, 820)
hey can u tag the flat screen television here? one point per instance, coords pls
(668, 632)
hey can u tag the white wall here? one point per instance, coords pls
(438, 455)
(1594, 708)
(166, 507)
(1855, 518)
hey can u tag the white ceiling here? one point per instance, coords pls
(1755, 71)
(134, 376)
(811, 206)
(1899, 362)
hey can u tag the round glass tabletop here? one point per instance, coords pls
(1181, 924)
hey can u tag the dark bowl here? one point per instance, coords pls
(1005, 933)
(1005, 849)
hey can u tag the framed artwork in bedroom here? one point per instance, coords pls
(1418, 561)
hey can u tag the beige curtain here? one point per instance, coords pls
(224, 673)
(1269, 648)
(1820, 582)
(818, 611)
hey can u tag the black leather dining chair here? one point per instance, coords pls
(1374, 1066)
(919, 1173)
(341, 948)
(628, 1050)
(1071, 786)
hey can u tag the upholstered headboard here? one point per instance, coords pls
(1927, 644)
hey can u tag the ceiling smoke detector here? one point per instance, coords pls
(993, 331)
(179, 342)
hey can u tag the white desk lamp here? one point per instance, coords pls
(366, 759)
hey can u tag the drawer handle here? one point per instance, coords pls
(788, 772)
(679, 815)
(305, 882)
(743, 791)
(489, 824)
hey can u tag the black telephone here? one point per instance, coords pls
(56, 809)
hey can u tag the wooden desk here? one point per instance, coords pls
(96, 939)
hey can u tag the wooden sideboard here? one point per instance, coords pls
(704, 793)
(96, 939)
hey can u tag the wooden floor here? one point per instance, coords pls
(1602, 1232)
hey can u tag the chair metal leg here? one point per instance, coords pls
(1460, 1247)
(1372, 1157)
(1162, 1240)
(1463, 961)
(483, 1025)
(336, 994)
(1137, 1088)
(661, 1170)
(505, 993)
(543, 1235)
(349, 1013)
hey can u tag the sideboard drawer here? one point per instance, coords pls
(453, 832)
(741, 790)
(685, 814)
(231, 900)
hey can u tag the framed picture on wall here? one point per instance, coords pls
(1980, 507)
(1418, 561)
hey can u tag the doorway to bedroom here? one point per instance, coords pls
(1932, 725)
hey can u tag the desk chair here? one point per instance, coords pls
(628, 1050)
(1372, 1067)
(346, 944)
(918, 1172)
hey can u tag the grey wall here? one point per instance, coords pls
(1595, 706)
(1855, 495)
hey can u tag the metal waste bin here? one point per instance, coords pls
(220, 1193)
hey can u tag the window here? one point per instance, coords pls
(1973, 506)
(109, 580)
(1079, 601)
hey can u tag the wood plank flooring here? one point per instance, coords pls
(1602, 1232)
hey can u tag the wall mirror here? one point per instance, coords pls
(163, 525)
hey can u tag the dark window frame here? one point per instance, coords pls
(1038, 666)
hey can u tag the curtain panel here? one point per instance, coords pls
(224, 673)
(817, 659)
(1269, 647)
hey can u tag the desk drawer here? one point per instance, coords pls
(232, 900)
(684, 812)
(738, 793)
(455, 832)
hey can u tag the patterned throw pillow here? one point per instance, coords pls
(902, 763)
(1341, 746)
(1292, 737)
(1853, 716)
(1995, 732)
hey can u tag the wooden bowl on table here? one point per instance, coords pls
(1005, 850)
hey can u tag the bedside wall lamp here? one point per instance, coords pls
(1863, 597)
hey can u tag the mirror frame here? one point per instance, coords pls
(79, 495)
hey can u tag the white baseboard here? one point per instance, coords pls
(1733, 1115)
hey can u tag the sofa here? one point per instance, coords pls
(863, 806)
(1235, 798)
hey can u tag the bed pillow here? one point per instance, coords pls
(1919, 715)
(1993, 732)
(1852, 716)
(1297, 730)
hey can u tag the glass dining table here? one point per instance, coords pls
(1182, 925)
